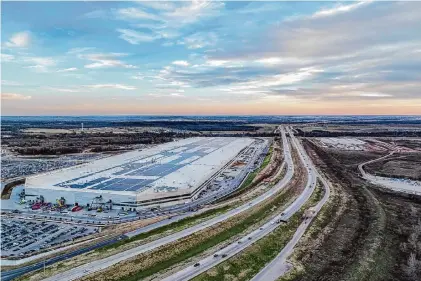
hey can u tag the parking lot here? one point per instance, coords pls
(231, 176)
(21, 238)
(15, 166)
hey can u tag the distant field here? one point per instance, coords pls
(359, 128)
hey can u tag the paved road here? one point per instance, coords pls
(241, 244)
(98, 265)
(407, 186)
(9, 275)
(279, 265)
(360, 167)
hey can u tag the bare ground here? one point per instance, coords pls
(368, 233)
(399, 166)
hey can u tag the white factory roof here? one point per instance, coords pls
(192, 172)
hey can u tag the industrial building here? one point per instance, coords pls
(163, 175)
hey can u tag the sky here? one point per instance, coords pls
(208, 57)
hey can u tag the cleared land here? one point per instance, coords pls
(366, 234)
(397, 166)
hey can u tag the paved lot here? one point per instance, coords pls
(22, 237)
(14, 166)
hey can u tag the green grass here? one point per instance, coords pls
(254, 218)
(267, 159)
(248, 180)
(248, 263)
(172, 226)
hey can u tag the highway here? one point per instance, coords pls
(241, 244)
(101, 264)
(279, 265)
(10, 274)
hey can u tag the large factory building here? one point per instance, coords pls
(166, 174)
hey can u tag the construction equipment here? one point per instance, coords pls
(61, 203)
(76, 208)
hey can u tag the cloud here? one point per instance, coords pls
(260, 7)
(368, 94)
(181, 63)
(336, 53)
(339, 9)
(138, 77)
(164, 20)
(135, 13)
(190, 12)
(40, 64)
(10, 83)
(64, 90)
(311, 57)
(79, 50)
(112, 86)
(177, 95)
(161, 5)
(88, 88)
(135, 37)
(19, 40)
(95, 14)
(346, 32)
(217, 62)
(105, 60)
(13, 96)
(67, 69)
(199, 40)
(7, 57)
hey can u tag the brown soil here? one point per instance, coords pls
(399, 166)
(373, 238)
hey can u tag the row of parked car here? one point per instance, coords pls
(22, 237)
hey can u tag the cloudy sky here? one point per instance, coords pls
(86, 58)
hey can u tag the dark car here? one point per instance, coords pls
(197, 264)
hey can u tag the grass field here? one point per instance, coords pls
(249, 262)
(175, 226)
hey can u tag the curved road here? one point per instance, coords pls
(360, 167)
(408, 186)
